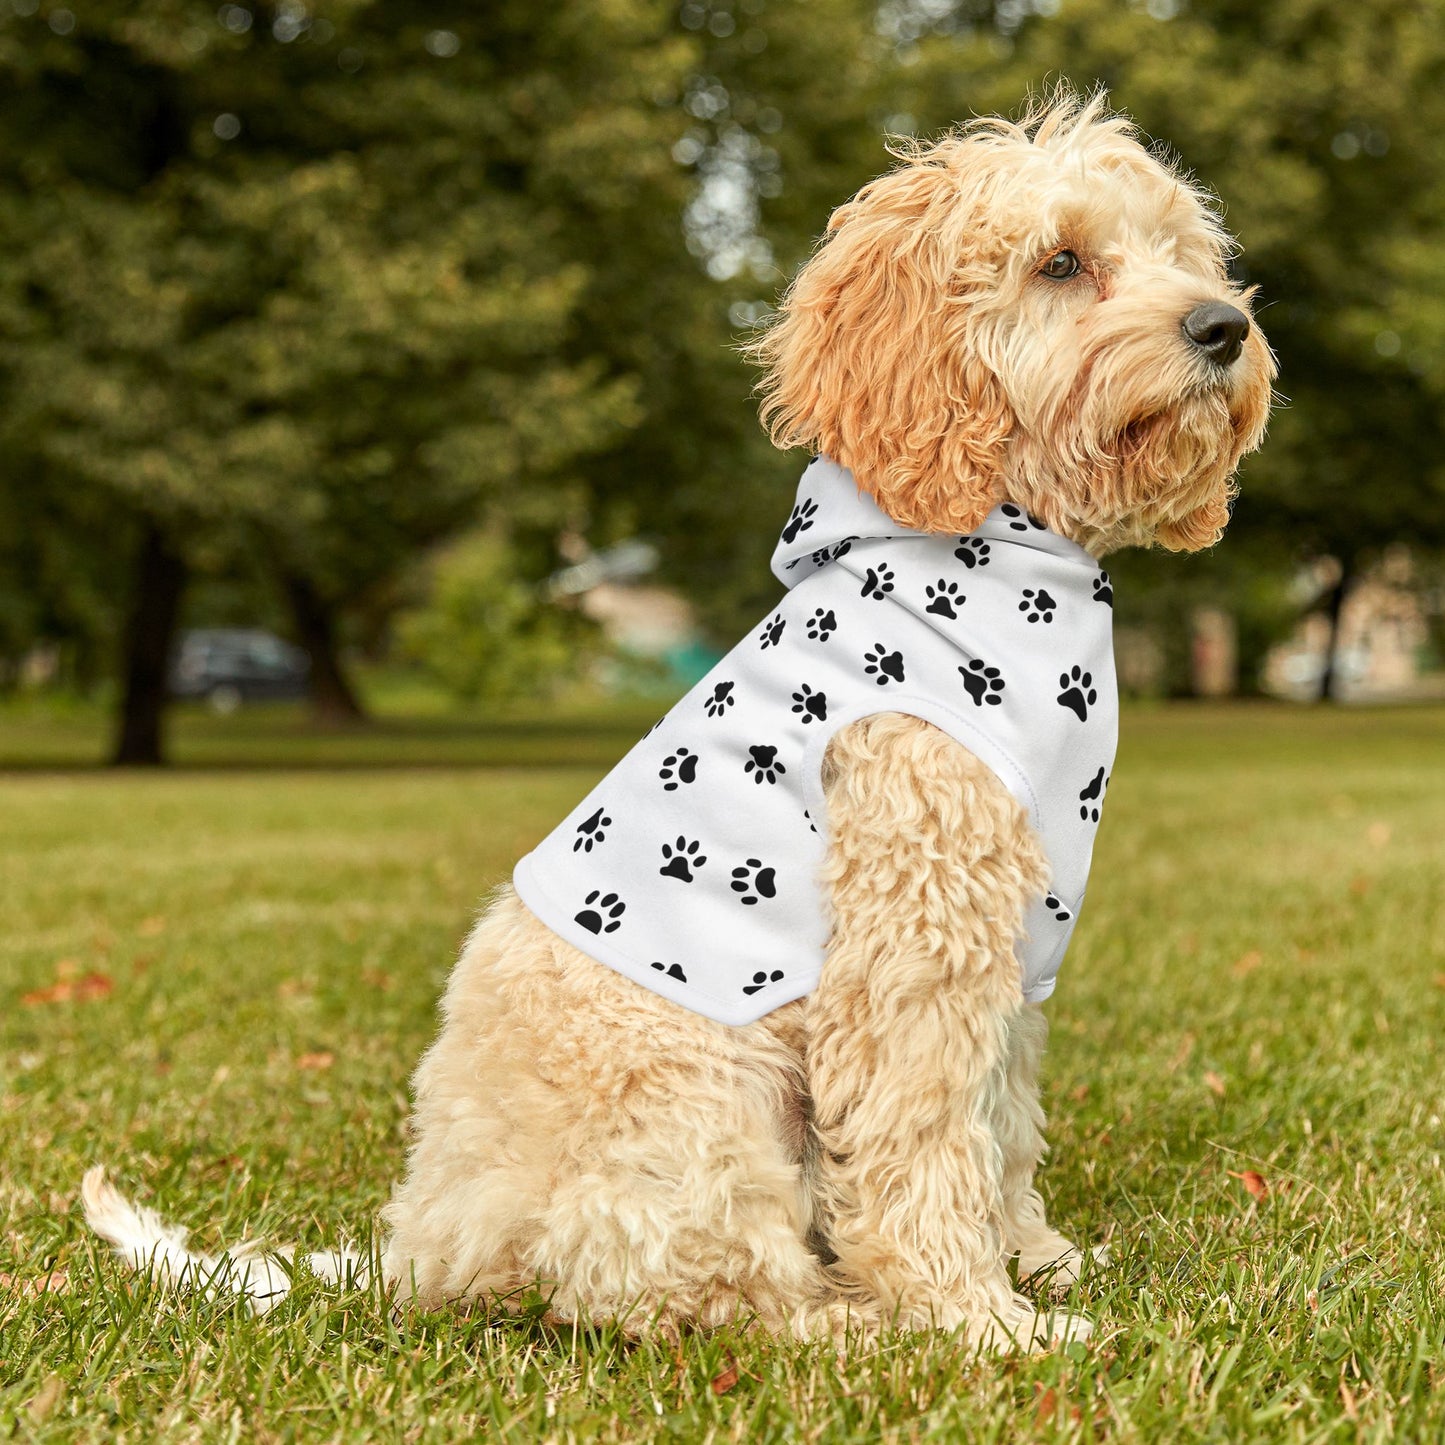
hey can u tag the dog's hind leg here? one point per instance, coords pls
(930, 866)
(577, 1134)
(1042, 1251)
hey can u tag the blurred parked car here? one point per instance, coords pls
(230, 665)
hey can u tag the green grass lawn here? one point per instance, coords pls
(253, 956)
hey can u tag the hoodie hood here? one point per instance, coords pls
(832, 513)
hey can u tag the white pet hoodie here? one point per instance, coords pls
(693, 866)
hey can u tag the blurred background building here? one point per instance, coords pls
(404, 333)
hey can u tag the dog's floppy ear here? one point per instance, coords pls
(872, 359)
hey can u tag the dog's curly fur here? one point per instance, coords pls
(864, 1156)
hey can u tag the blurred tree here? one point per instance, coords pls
(307, 282)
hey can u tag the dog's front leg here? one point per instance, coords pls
(931, 863)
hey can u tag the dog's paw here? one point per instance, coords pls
(1023, 1326)
(1058, 1271)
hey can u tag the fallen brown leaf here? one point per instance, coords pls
(1214, 1083)
(1360, 885)
(322, 1059)
(1079, 1094)
(66, 990)
(1046, 1407)
(1248, 962)
(56, 1282)
(1440, 980)
(723, 1382)
(377, 978)
(1255, 1184)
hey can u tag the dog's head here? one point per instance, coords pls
(1036, 312)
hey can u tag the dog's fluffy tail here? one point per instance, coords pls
(147, 1243)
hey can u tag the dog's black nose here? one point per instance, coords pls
(1218, 330)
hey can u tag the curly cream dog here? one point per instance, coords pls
(1036, 313)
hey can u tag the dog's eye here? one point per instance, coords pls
(1061, 266)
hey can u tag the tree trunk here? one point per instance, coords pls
(160, 578)
(1334, 608)
(333, 700)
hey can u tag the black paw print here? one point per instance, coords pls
(678, 768)
(942, 596)
(680, 859)
(878, 583)
(772, 634)
(808, 818)
(1078, 693)
(887, 665)
(1019, 519)
(721, 700)
(1039, 605)
(982, 682)
(843, 547)
(810, 704)
(822, 625)
(820, 558)
(606, 917)
(801, 519)
(1060, 913)
(671, 970)
(1104, 589)
(763, 764)
(1092, 797)
(762, 980)
(592, 831)
(971, 552)
(753, 880)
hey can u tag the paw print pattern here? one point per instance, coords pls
(591, 831)
(1078, 693)
(753, 880)
(680, 858)
(772, 633)
(1020, 520)
(972, 553)
(678, 768)
(878, 583)
(1092, 796)
(671, 970)
(1061, 914)
(801, 519)
(1039, 605)
(763, 764)
(843, 547)
(984, 684)
(762, 980)
(810, 704)
(1104, 589)
(721, 700)
(883, 666)
(822, 625)
(943, 596)
(601, 912)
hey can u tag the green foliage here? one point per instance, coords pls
(1250, 988)
(486, 634)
